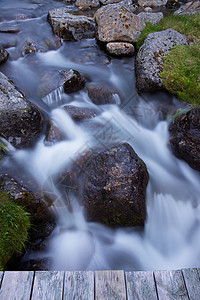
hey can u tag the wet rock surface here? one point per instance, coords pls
(149, 60)
(87, 3)
(119, 49)
(42, 219)
(70, 27)
(153, 18)
(113, 185)
(115, 22)
(101, 94)
(21, 121)
(3, 54)
(185, 137)
(71, 81)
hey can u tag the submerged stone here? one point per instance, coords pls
(3, 54)
(101, 94)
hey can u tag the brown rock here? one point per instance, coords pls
(120, 49)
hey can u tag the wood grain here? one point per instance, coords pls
(110, 285)
(79, 285)
(140, 285)
(170, 285)
(48, 285)
(192, 282)
(16, 285)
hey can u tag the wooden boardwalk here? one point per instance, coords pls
(117, 285)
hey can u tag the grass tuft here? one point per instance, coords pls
(14, 225)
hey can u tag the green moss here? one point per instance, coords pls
(2, 150)
(13, 229)
(181, 72)
(187, 25)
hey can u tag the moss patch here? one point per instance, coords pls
(181, 72)
(14, 225)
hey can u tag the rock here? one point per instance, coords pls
(173, 4)
(101, 94)
(115, 22)
(31, 46)
(70, 27)
(128, 3)
(113, 186)
(71, 80)
(153, 18)
(154, 3)
(42, 219)
(79, 113)
(189, 8)
(120, 49)
(87, 3)
(21, 121)
(149, 60)
(43, 264)
(3, 54)
(54, 134)
(185, 137)
(148, 9)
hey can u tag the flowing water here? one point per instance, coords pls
(171, 236)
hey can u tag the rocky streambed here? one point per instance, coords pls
(105, 173)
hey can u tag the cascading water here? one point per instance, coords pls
(171, 237)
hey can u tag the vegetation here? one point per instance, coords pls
(187, 25)
(2, 150)
(181, 69)
(181, 72)
(13, 229)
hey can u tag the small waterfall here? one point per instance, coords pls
(54, 98)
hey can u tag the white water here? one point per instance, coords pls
(171, 237)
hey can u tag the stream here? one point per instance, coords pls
(171, 236)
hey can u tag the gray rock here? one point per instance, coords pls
(189, 8)
(113, 185)
(30, 46)
(153, 18)
(148, 9)
(120, 49)
(70, 27)
(42, 219)
(149, 60)
(21, 121)
(173, 4)
(185, 137)
(101, 94)
(115, 22)
(154, 3)
(71, 80)
(3, 55)
(87, 3)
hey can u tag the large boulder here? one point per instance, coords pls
(190, 8)
(185, 137)
(115, 22)
(70, 27)
(149, 60)
(153, 18)
(87, 3)
(42, 219)
(119, 49)
(3, 54)
(71, 81)
(154, 3)
(112, 185)
(21, 121)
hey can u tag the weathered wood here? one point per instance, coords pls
(1, 275)
(16, 285)
(140, 285)
(79, 285)
(48, 285)
(192, 282)
(110, 285)
(170, 285)
(198, 271)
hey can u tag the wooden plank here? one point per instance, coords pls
(79, 285)
(140, 285)
(170, 285)
(110, 285)
(192, 283)
(48, 285)
(198, 271)
(16, 285)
